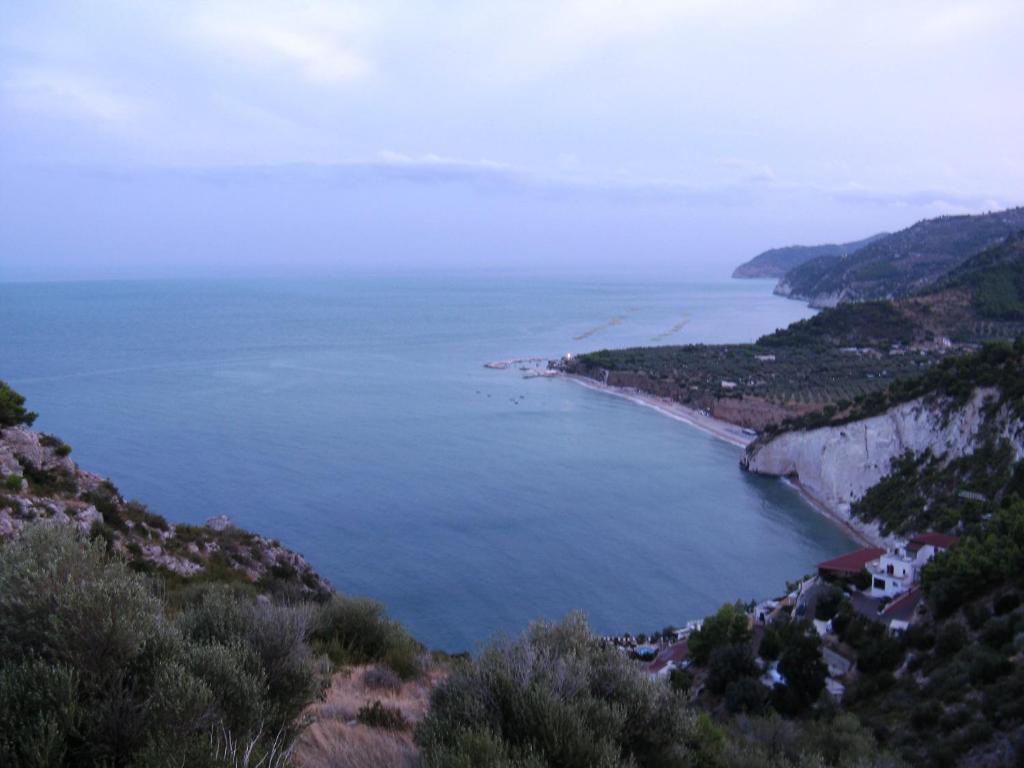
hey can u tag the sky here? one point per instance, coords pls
(275, 137)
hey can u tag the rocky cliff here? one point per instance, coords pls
(836, 465)
(39, 483)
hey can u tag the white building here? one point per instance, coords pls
(896, 571)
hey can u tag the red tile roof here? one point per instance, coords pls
(941, 540)
(902, 608)
(852, 562)
(675, 653)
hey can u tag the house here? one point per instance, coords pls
(835, 689)
(673, 657)
(849, 564)
(897, 570)
(939, 542)
(892, 573)
(838, 665)
(900, 613)
(728, 384)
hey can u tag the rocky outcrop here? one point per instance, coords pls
(836, 465)
(817, 301)
(41, 485)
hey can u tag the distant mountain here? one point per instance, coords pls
(778, 261)
(901, 263)
(981, 300)
(993, 280)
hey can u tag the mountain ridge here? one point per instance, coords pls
(776, 262)
(901, 263)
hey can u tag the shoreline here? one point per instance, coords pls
(730, 433)
(723, 430)
(856, 531)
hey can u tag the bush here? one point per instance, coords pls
(801, 665)
(13, 483)
(59, 447)
(729, 626)
(828, 603)
(745, 695)
(771, 643)
(559, 696)
(382, 679)
(92, 670)
(681, 680)
(378, 715)
(986, 665)
(1006, 603)
(356, 631)
(951, 637)
(12, 408)
(728, 664)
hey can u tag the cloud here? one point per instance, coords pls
(67, 94)
(317, 42)
(944, 200)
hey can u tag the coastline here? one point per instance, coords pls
(723, 430)
(733, 435)
(860, 532)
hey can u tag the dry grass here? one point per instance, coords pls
(334, 739)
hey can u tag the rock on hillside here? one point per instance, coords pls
(836, 465)
(40, 483)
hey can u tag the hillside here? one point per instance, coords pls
(776, 262)
(901, 263)
(957, 428)
(836, 358)
(944, 452)
(112, 655)
(129, 640)
(222, 644)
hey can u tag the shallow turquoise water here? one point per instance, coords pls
(353, 420)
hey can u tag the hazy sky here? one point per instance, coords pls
(208, 137)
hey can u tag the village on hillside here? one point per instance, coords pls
(882, 585)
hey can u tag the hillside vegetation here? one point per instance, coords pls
(108, 658)
(843, 356)
(778, 261)
(901, 263)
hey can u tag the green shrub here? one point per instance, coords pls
(47, 482)
(356, 631)
(986, 665)
(828, 603)
(12, 408)
(40, 712)
(93, 672)
(728, 664)
(730, 625)
(13, 483)
(745, 694)
(378, 715)
(681, 679)
(382, 678)
(559, 696)
(275, 636)
(59, 447)
(951, 637)
(1005, 603)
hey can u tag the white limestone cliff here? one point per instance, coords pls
(836, 465)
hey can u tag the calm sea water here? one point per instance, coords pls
(353, 419)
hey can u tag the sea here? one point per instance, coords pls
(353, 419)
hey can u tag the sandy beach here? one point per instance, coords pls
(730, 433)
(723, 430)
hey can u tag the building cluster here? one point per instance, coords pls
(882, 584)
